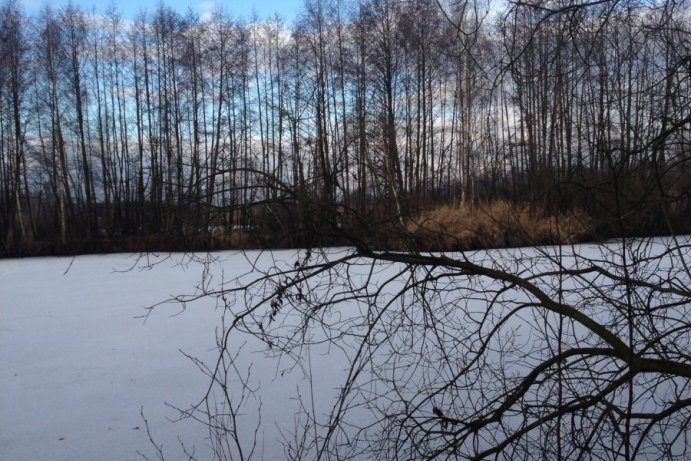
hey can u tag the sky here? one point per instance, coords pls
(287, 9)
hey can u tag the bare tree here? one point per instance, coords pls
(75, 31)
(12, 136)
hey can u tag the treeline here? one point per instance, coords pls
(172, 130)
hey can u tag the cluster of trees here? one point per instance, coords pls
(173, 124)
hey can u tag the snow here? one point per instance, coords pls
(78, 363)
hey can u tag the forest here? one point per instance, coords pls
(408, 124)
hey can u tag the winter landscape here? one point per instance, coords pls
(371, 229)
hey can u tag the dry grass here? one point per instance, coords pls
(496, 224)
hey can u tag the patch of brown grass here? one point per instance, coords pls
(496, 224)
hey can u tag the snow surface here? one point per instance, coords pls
(78, 363)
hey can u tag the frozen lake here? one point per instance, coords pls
(79, 362)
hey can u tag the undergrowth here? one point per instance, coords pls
(497, 224)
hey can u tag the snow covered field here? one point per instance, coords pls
(77, 363)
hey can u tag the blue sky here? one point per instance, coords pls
(287, 9)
